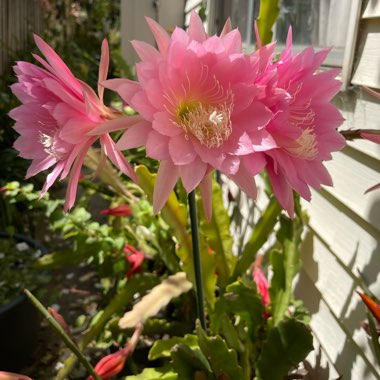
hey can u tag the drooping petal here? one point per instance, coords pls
(117, 157)
(167, 177)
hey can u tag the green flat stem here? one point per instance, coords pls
(197, 258)
(61, 332)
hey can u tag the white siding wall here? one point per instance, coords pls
(344, 237)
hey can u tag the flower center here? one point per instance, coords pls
(209, 124)
(48, 144)
(305, 146)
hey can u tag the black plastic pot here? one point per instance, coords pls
(19, 323)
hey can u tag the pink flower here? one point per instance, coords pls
(198, 97)
(303, 132)
(57, 113)
(135, 259)
(121, 210)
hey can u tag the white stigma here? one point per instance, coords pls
(216, 118)
(48, 144)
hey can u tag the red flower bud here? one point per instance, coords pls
(111, 365)
(122, 210)
(373, 306)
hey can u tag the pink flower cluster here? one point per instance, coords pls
(203, 105)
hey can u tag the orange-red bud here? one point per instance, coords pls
(373, 306)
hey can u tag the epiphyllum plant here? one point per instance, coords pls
(203, 105)
(57, 113)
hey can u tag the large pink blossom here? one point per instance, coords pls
(303, 132)
(57, 113)
(198, 97)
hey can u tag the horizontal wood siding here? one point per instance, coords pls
(367, 65)
(343, 245)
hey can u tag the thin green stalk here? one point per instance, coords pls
(61, 332)
(197, 258)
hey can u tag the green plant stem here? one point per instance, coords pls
(61, 332)
(197, 258)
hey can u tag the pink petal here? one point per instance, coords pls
(60, 68)
(103, 67)
(117, 157)
(157, 146)
(74, 178)
(282, 190)
(181, 150)
(254, 163)
(134, 136)
(124, 87)
(161, 36)
(245, 181)
(167, 177)
(371, 136)
(164, 125)
(375, 187)
(73, 155)
(226, 28)
(192, 174)
(145, 51)
(258, 40)
(52, 176)
(196, 29)
(114, 125)
(206, 191)
(39, 165)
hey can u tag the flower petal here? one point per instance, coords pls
(167, 177)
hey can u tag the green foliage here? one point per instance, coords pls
(268, 14)
(262, 230)
(160, 373)
(217, 234)
(288, 343)
(285, 263)
(222, 359)
(175, 215)
(162, 348)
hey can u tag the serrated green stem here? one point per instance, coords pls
(61, 332)
(197, 258)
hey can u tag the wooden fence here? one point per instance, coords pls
(18, 20)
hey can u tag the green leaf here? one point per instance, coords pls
(269, 11)
(243, 301)
(223, 360)
(217, 234)
(285, 266)
(163, 373)
(161, 348)
(260, 234)
(287, 344)
(176, 216)
(187, 361)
